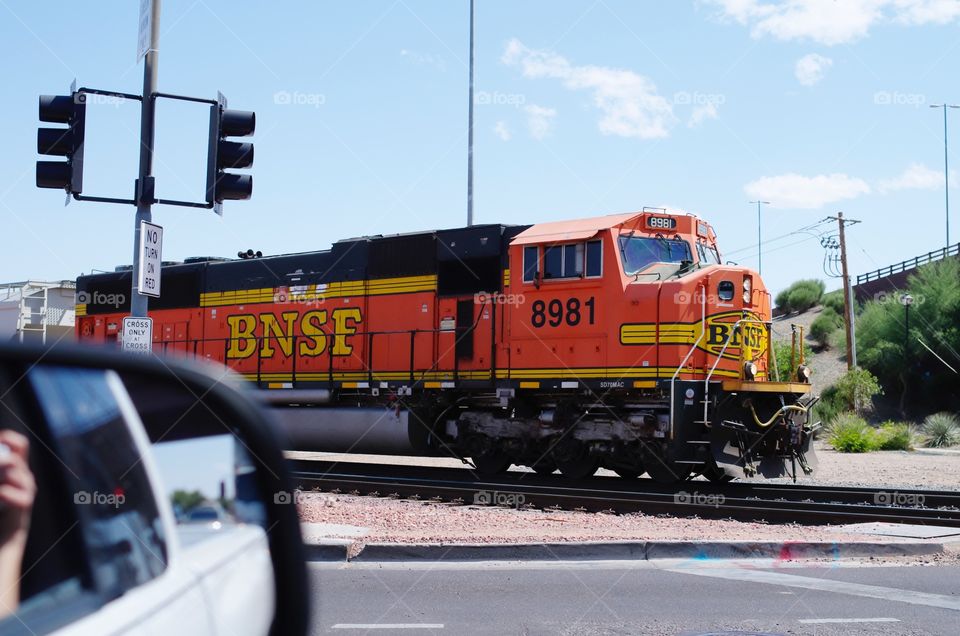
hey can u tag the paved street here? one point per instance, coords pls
(668, 597)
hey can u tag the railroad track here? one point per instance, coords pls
(773, 503)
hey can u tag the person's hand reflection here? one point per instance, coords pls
(17, 491)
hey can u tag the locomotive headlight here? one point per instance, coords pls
(747, 290)
(803, 373)
(749, 370)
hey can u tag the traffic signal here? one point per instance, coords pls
(63, 142)
(223, 155)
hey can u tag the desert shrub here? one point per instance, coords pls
(800, 296)
(898, 359)
(782, 351)
(834, 301)
(856, 388)
(895, 436)
(829, 406)
(850, 433)
(941, 429)
(824, 325)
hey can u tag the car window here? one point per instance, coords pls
(110, 488)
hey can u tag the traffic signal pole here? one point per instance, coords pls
(145, 184)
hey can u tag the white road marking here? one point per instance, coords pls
(388, 626)
(827, 585)
(849, 620)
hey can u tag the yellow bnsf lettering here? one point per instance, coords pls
(342, 329)
(311, 326)
(242, 341)
(280, 332)
(274, 332)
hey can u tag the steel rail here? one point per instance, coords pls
(743, 501)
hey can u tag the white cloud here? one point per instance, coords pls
(916, 177)
(702, 113)
(539, 120)
(500, 130)
(424, 59)
(797, 191)
(831, 22)
(925, 11)
(811, 68)
(629, 102)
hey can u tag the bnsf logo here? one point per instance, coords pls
(751, 336)
(278, 333)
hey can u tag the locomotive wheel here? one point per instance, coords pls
(716, 474)
(545, 466)
(580, 468)
(491, 463)
(664, 471)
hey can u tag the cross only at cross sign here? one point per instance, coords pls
(151, 248)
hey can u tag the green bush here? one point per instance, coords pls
(829, 406)
(824, 325)
(850, 433)
(834, 301)
(941, 429)
(800, 296)
(895, 436)
(782, 352)
(898, 360)
(856, 389)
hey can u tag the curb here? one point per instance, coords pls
(338, 550)
(937, 451)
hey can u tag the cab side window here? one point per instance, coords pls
(563, 261)
(594, 258)
(531, 266)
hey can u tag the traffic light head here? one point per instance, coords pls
(62, 142)
(223, 154)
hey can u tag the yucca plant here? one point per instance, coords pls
(849, 433)
(941, 429)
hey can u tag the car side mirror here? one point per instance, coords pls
(103, 536)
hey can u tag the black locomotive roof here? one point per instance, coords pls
(376, 256)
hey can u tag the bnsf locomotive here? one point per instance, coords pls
(618, 341)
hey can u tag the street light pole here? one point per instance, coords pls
(470, 130)
(946, 170)
(759, 251)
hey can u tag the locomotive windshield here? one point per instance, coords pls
(640, 252)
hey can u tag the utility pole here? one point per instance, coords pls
(847, 292)
(946, 170)
(470, 130)
(759, 250)
(145, 185)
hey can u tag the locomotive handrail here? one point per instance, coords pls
(703, 331)
(733, 330)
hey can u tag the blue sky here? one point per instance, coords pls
(583, 108)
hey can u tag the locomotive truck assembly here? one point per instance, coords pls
(620, 341)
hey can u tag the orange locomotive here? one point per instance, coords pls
(617, 341)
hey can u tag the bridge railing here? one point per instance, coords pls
(913, 263)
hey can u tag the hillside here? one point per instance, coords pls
(827, 365)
